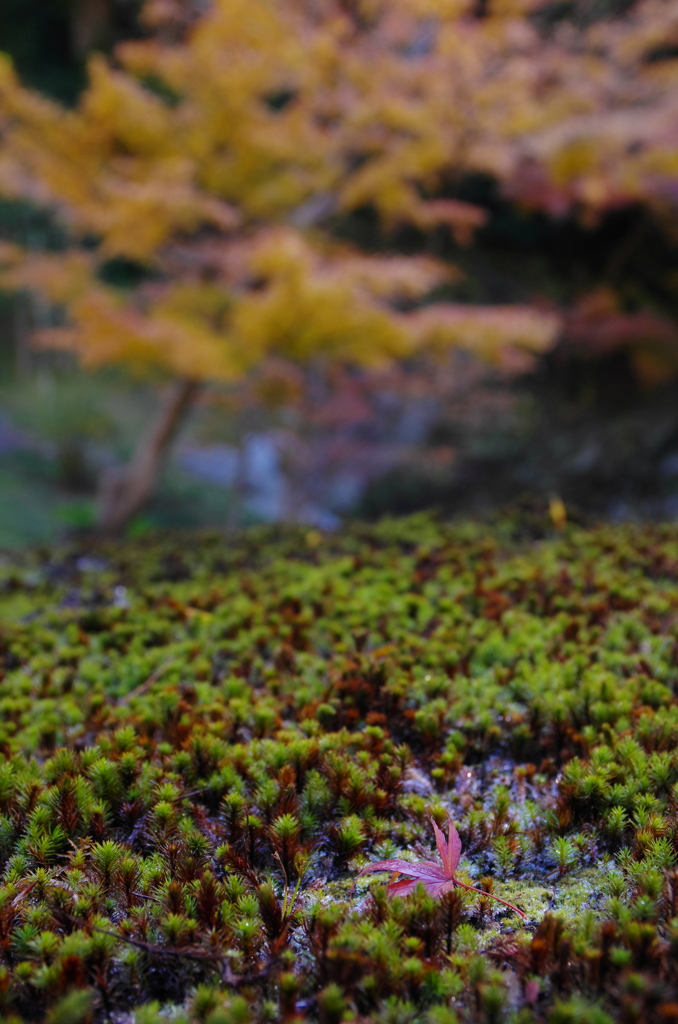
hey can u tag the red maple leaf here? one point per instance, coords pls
(437, 879)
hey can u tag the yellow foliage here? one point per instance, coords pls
(214, 161)
(136, 121)
(574, 160)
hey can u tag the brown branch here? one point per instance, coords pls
(490, 895)
(124, 490)
(147, 683)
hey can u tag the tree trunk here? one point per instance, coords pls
(91, 23)
(124, 490)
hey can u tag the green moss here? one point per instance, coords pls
(202, 741)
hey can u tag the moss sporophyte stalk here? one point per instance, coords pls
(194, 788)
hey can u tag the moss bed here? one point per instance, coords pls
(204, 739)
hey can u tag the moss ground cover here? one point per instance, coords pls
(204, 740)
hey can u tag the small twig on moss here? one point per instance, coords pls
(147, 683)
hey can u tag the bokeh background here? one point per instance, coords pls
(578, 221)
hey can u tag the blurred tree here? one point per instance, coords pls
(201, 175)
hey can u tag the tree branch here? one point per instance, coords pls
(124, 490)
